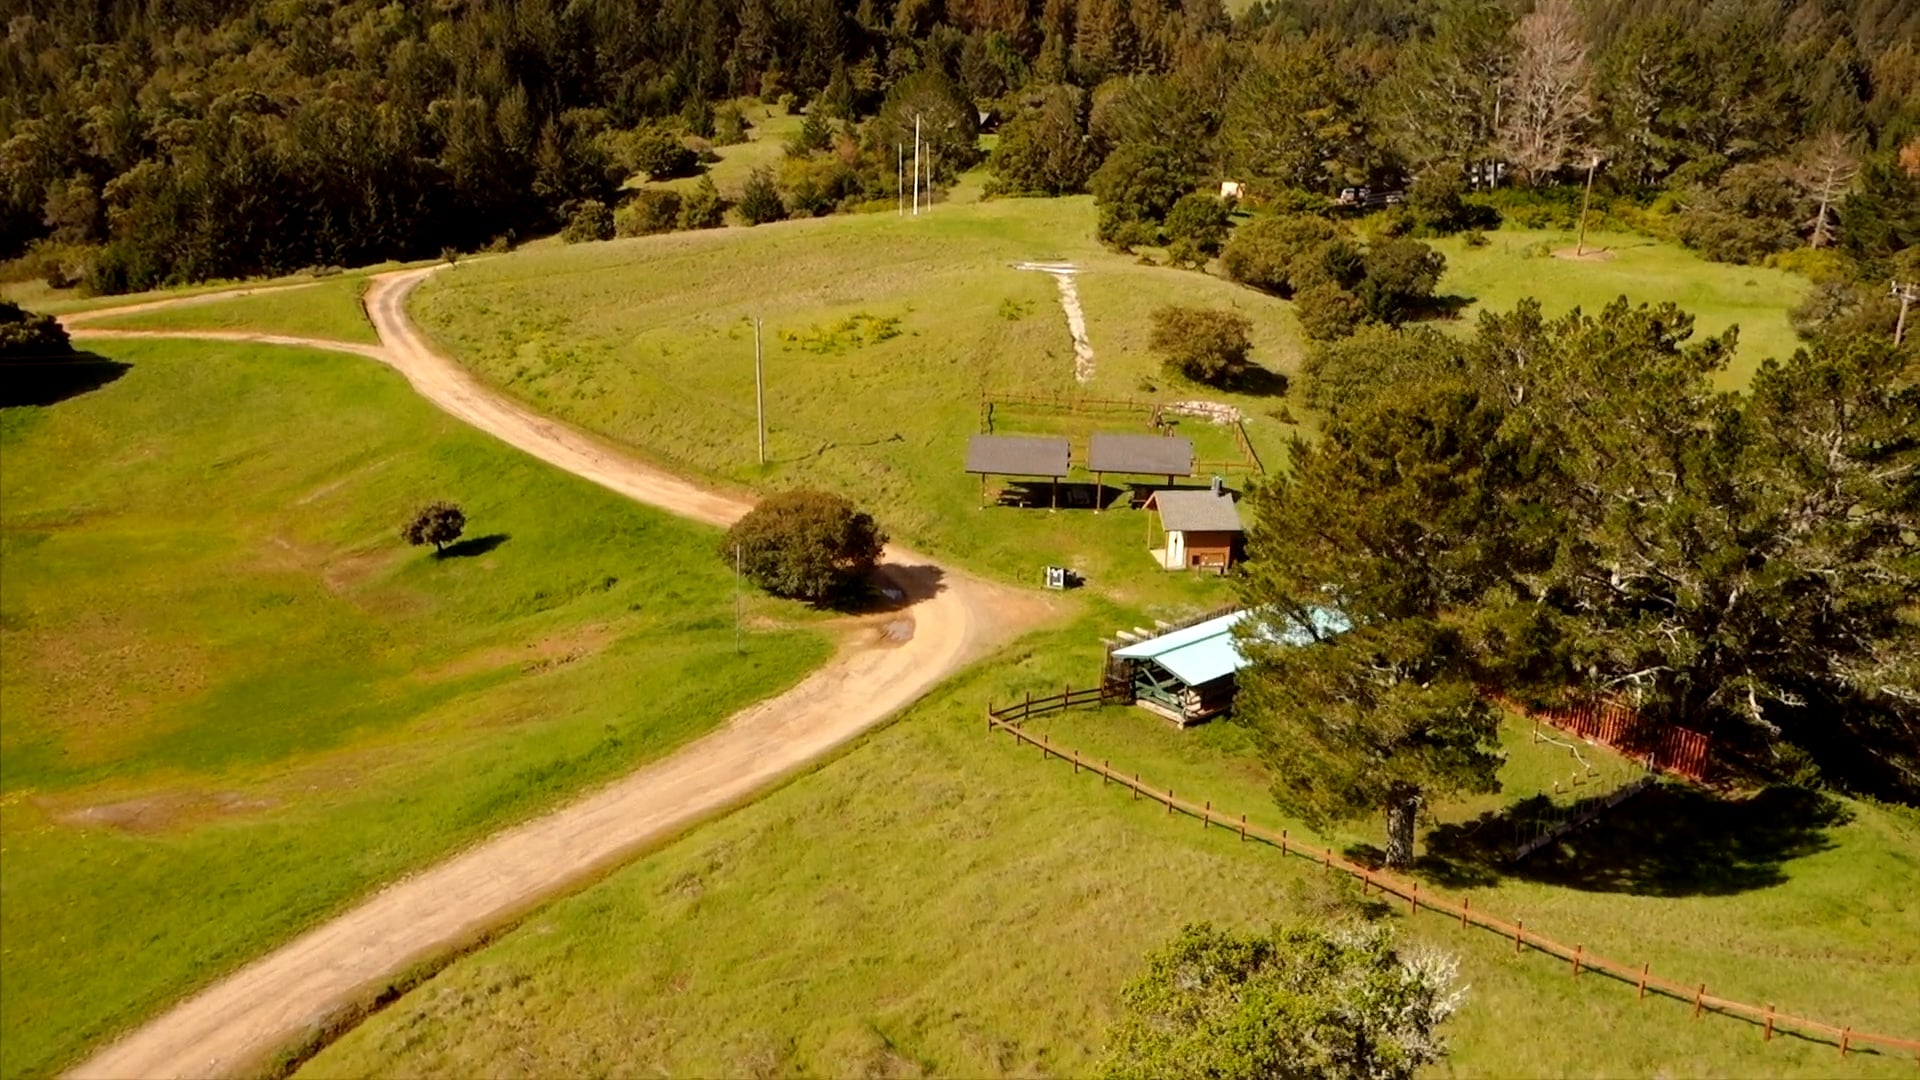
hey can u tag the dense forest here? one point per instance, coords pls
(153, 141)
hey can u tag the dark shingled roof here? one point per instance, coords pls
(1018, 455)
(1153, 455)
(1196, 511)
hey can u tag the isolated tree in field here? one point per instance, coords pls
(1826, 173)
(808, 545)
(1547, 106)
(760, 200)
(1400, 276)
(26, 335)
(439, 524)
(1302, 1001)
(1203, 344)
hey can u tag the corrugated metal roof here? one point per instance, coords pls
(1151, 455)
(1206, 651)
(1196, 511)
(1018, 455)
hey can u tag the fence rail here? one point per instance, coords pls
(1008, 719)
(1666, 748)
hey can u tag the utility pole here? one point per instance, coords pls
(1580, 246)
(916, 164)
(736, 599)
(759, 390)
(1906, 294)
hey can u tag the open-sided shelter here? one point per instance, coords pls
(1202, 528)
(1187, 675)
(1139, 455)
(1043, 456)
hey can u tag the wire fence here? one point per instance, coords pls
(1581, 961)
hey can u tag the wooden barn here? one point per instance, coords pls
(1187, 675)
(1201, 529)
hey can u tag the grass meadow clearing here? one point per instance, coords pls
(329, 308)
(1519, 263)
(939, 902)
(234, 700)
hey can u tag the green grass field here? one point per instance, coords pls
(1518, 263)
(330, 308)
(766, 145)
(940, 902)
(234, 700)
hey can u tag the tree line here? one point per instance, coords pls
(153, 141)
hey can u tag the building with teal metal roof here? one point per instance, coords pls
(1187, 675)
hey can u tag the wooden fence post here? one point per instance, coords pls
(1106, 767)
(1206, 815)
(1464, 901)
(1026, 710)
(1076, 763)
(1767, 1036)
(1578, 952)
(1046, 742)
(1169, 801)
(1644, 968)
(1243, 828)
(1413, 897)
(1519, 928)
(1697, 996)
(1136, 787)
(1283, 841)
(1845, 1034)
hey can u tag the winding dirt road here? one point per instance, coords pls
(239, 1021)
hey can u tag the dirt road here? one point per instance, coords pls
(278, 998)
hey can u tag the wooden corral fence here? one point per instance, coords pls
(1664, 747)
(1640, 977)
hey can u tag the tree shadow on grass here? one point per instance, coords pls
(50, 382)
(1670, 840)
(1442, 308)
(1260, 382)
(891, 587)
(472, 546)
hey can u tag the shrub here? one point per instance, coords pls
(1328, 312)
(729, 126)
(808, 545)
(1301, 1001)
(703, 208)
(1196, 226)
(760, 200)
(590, 220)
(1202, 344)
(25, 335)
(1400, 279)
(1437, 204)
(1140, 182)
(815, 135)
(1269, 251)
(439, 524)
(650, 211)
(1474, 239)
(660, 154)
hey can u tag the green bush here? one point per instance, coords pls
(1328, 312)
(650, 211)
(703, 208)
(590, 220)
(1196, 227)
(807, 545)
(1400, 279)
(729, 126)
(760, 200)
(1203, 344)
(1281, 253)
(26, 335)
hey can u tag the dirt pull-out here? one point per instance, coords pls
(948, 619)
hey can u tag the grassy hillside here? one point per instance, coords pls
(651, 341)
(939, 902)
(233, 700)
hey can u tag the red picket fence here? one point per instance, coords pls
(1663, 747)
(1638, 976)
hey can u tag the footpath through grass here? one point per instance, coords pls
(233, 701)
(938, 902)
